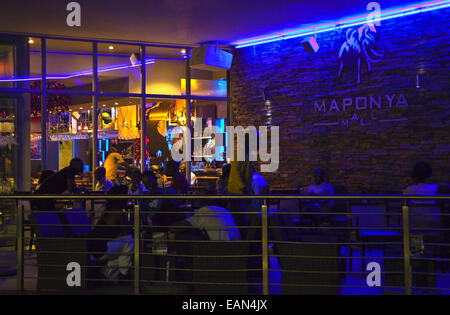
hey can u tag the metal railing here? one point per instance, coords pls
(314, 250)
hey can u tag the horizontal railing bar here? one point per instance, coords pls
(332, 257)
(204, 283)
(200, 270)
(336, 272)
(201, 256)
(143, 197)
(335, 243)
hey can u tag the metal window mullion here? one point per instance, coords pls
(95, 110)
(188, 112)
(43, 104)
(229, 103)
(143, 109)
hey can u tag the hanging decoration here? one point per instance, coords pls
(56, 104)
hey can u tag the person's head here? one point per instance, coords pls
(172, 168)
(135, 174)
(44, 175)
(99, 173)
(77, 165)
(319, 176)
(421, 171)
(149, 180)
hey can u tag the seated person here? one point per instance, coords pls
(135, 187)
(216, 221)
(153, 209)
(194, 181)
(149, 208)
(423, 217)
(222, 182)
(320, 187)
(103, 184)
(112, 239)
(178, 181)
(420, 173)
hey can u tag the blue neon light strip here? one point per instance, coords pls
(79, 73)
(360, 20)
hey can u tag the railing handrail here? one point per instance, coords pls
(277, 196)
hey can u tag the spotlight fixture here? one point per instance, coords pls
(310, 45)
(111, 47)
(30, 41)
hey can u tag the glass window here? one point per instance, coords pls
(166, 69)
(7, 74)
(119, 68)
(69, 65)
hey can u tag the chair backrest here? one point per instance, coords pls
(306, 266)
(376, 212)
(49, 224)
(78, 220)
(425, 216)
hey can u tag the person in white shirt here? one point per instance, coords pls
(425, 215)
(421, 172)
(217, 222)
(320, 187)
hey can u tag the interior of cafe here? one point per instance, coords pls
(69, 123)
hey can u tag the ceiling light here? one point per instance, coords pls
(30, 41)
(116, 103)
(111, 47)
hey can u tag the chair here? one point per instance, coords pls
(425, 222)
(372, 229)
(310, 266)
(54, 253)
(78, 221)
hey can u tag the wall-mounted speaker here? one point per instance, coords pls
(210, 58)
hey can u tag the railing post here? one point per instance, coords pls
(20, 248)
(137, 240)
(406, 249)
(265, 249)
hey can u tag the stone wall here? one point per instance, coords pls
(367, 135)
